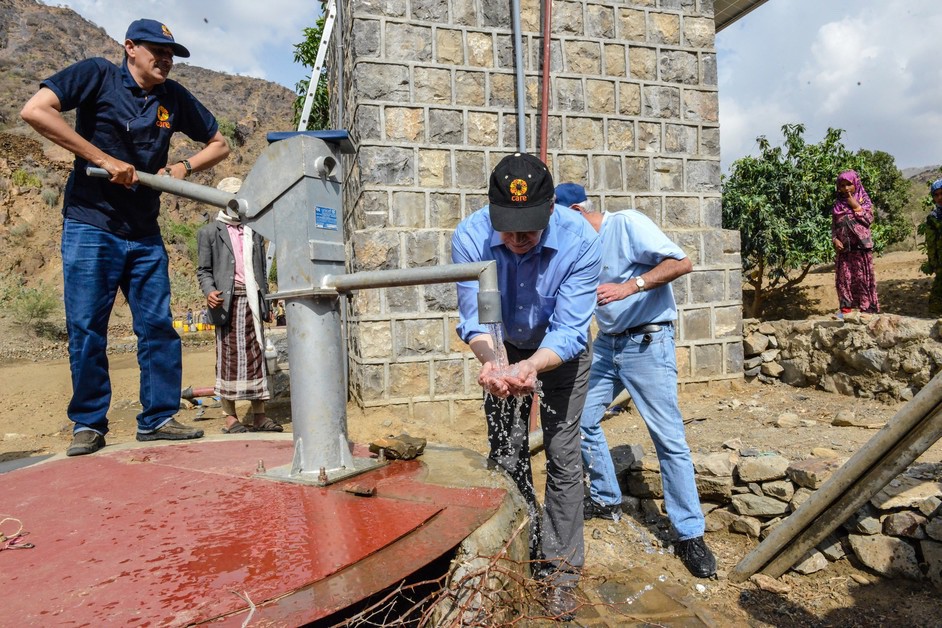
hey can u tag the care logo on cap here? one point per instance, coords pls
(518, 191)
(520, 194)
(166, 31)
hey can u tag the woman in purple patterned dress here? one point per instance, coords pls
(851, 218)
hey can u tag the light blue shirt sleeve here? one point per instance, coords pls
(547, 294)
(632, 245)
(470, 243)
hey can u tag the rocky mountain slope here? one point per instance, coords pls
(36, 40)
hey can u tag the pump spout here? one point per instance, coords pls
(488, 295)
(484, 272)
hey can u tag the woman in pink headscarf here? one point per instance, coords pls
(850, 231)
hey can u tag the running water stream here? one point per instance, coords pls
(496, 330)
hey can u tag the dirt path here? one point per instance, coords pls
(623, 557)
(901, 287)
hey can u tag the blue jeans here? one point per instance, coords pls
(648, 369)
(95, 264)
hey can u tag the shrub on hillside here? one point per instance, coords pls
(21, 230)
(181, 233)
(50, 196)
(227, 128)
(184, 291)
(32, 307)
(25, 179)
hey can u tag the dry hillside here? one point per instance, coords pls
(36, 40)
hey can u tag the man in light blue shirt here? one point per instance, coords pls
(548, 262)
(635, 351)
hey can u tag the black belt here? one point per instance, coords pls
(649, 328)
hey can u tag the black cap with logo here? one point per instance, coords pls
(521, 194)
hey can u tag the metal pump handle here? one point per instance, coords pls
(186, 189)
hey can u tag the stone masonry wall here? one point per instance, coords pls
(427, 92)
(897, 533)
(880, 356)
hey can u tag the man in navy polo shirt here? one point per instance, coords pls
(124, 119)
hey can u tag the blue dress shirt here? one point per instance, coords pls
(547, 294)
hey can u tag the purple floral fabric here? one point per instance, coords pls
(853, 230)
(853, 267)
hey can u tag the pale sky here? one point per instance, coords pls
(244, 37)
(871, 67)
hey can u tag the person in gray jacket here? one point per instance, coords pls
(231, 272)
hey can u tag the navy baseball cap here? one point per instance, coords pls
(520, 195)
(154, 32)
(570, 194)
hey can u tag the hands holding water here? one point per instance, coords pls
(502, 380)
(515, 380)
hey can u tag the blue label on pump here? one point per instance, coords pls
(325, 218)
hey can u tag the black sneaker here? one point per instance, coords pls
(85, 442)
(171, 430)
(591, 509)
(696, 557)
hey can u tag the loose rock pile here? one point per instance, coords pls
(886, 357)
(747, 491)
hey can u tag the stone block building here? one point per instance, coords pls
(427, 90)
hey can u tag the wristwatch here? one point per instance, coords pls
(640, 282)
(189, 168)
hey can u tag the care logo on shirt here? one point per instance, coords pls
(518, 190)
(162, 117)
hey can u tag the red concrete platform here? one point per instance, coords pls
(183, 534)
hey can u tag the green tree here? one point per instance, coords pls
(889, 191)
(305, 53)
(780, 202)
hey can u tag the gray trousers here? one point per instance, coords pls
(556, 536)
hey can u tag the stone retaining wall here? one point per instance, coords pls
(743, 491)
(881, 356)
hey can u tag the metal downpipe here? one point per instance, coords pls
(545, 87)
(518, 71)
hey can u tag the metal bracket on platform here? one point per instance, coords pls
(349, 467)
